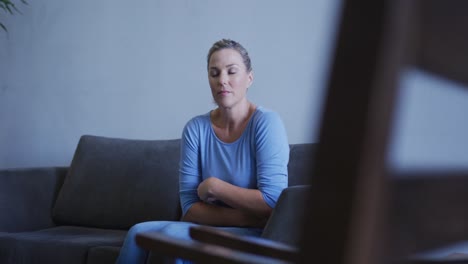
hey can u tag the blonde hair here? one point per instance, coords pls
(230, 44)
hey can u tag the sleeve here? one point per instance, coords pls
(189, 167)
(272, 154)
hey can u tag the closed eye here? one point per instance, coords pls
(214, 73)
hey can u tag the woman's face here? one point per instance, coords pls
(228, 78)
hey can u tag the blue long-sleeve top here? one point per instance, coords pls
(258, 159)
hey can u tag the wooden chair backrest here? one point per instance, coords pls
(353, 193)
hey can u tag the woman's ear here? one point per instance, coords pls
(251, 78)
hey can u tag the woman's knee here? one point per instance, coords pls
(147, 227)
(178, 230)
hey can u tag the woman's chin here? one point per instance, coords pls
(223, 103)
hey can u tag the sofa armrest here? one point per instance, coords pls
(27, 197)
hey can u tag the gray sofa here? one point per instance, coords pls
(80, 213)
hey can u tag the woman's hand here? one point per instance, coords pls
(207, 189)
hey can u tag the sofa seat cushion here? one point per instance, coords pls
(103, 255)
(65, 244)
(116, 183)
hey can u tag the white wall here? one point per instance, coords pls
(138, 69)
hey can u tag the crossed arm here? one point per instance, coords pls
(248, 208)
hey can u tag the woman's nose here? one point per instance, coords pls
(223, 78)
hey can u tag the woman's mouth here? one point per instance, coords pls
(223, 92)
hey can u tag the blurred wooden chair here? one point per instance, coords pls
(384, 217)
(358, 212)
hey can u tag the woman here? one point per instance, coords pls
(234, 159)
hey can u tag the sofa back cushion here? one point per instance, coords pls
(116, 183)
(301, 162)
